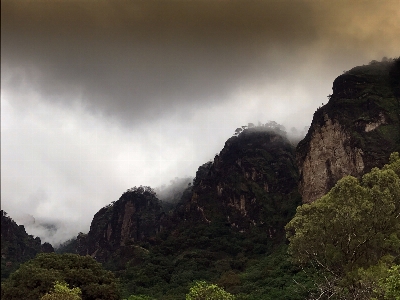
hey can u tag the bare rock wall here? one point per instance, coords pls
(330, 158)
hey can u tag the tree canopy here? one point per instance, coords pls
(37, 277)
(63, 292)
(355, 226)
(202, 290)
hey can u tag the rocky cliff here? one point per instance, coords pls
(355, 131)
(17, 246)
(134, 218)
(252, 182)
(258, 179)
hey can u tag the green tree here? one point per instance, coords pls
(36, 277)
(63, 292)
(202, 290)
(353, 226)
(391, 284)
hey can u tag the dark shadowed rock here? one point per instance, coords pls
(17, 246)
(134, 218)
(251, 183)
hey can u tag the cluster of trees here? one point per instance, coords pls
(62, 291)
(49, 274)
(142, 190)
(294, 135)
(52, 276)
(351, 236)
(271, 125)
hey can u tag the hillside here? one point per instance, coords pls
(17, 246)
(134, 218)
(236, 209)
(251, 183)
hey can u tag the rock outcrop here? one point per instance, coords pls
(135, 217)
(356, 131)
(258, 179)
(251, 183)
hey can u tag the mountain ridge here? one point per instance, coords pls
(235, 211)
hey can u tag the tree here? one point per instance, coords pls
(63, 292)
(354, 226)
(202, 290)
(391, 284)
(36, 277)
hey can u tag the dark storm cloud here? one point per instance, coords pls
(138, 59)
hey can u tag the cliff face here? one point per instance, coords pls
(356, 131)
(254, 182)
(135, 217)
(17, 246)
(251, 183)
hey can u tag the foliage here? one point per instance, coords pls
(36, 277)
(202, 290)
(391, 284)
(274, 277)
(139, 297)
(63, 292)
(354, 226)
(16, 245)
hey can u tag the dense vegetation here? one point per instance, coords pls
(352, 236)
(61, 291)
(17, 246)
(38, 276)
(346, 245)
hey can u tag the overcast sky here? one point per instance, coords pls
(100, 96)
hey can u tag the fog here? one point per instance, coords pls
(98, 97)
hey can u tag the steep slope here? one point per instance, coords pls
(134, 218)
(229, 219)
(252, 182)
(356, 131)
(17, 246)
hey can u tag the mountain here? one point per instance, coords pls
(235, 209)
(134, 218)
(252, 182)
(17, 246)
(355, 131)
(227, 226)
(250, 185)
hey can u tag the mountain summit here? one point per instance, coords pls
(355, 131)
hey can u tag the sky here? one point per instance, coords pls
(101, 96)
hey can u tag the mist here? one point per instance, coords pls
(98, 97)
